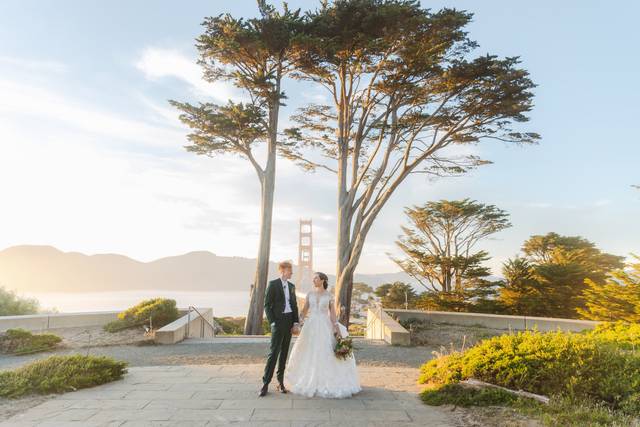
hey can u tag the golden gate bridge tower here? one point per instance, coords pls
(304, 275)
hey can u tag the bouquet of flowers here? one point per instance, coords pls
(343, 348)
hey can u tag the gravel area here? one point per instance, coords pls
(97, 336)
(195, 353)
(451, 337)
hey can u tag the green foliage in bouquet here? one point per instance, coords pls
(161, 311)
(58, 374)
(21, 341)
(344, 348)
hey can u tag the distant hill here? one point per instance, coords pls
(46, 269)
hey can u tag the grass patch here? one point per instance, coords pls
(156, 311)
(59, 374)
(21, 341)
(458, 395)
(560, 412)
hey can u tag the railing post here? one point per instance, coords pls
(380, 322)
(186, 330)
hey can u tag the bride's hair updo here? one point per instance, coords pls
(324, 278)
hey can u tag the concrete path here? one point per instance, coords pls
(222, 395)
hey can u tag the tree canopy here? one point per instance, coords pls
(403, 88)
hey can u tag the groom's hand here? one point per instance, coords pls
(295, 329)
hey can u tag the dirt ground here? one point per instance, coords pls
(451, 337)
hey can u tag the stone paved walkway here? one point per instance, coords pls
(222, 395)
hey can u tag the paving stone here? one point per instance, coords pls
(227, 396)
(14, 423)
(79, 424)
(137, 386)
(159, 394)
(94, 393)
(172, 404)
(131, 415)
(369, 415)
(218, 415)
(200, 423)
(215, 387)
(72, 415)
(109, 403)
(178, 380)
(290, 415)
(328, 404)
(252, 424)
(256, 403)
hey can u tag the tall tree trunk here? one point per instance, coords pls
(344, 282)
(253, 324)
(344, 278)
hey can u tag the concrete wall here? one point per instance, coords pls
(190, 325)
(381, 326)
(495, 321)
(42, 322)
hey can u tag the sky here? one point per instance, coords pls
(92, 157)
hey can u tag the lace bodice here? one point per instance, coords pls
(319, 303)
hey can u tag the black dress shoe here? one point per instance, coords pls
(282, 389)
(263, 390)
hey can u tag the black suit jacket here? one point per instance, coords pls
(274, 301)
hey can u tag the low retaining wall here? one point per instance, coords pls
(42, 322)
(190, 325)
(381, 326)
(495, 321)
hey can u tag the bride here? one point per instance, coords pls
(313, 368)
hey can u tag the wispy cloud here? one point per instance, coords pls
(30, 101)
(158, 63)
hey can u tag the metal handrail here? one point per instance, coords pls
(189, 310)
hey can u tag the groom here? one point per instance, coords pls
(282, 313)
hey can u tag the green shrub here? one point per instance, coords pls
(58, 374)
(357, 330)
(443, 370)
(161, 311)
(231, 325)
(552, 363)
(21, 341)
(625, 335)
(13, 305)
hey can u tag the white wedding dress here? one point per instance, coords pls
(313, 369)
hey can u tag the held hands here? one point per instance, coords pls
(295, 329)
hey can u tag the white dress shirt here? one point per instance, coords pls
(285, 289)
